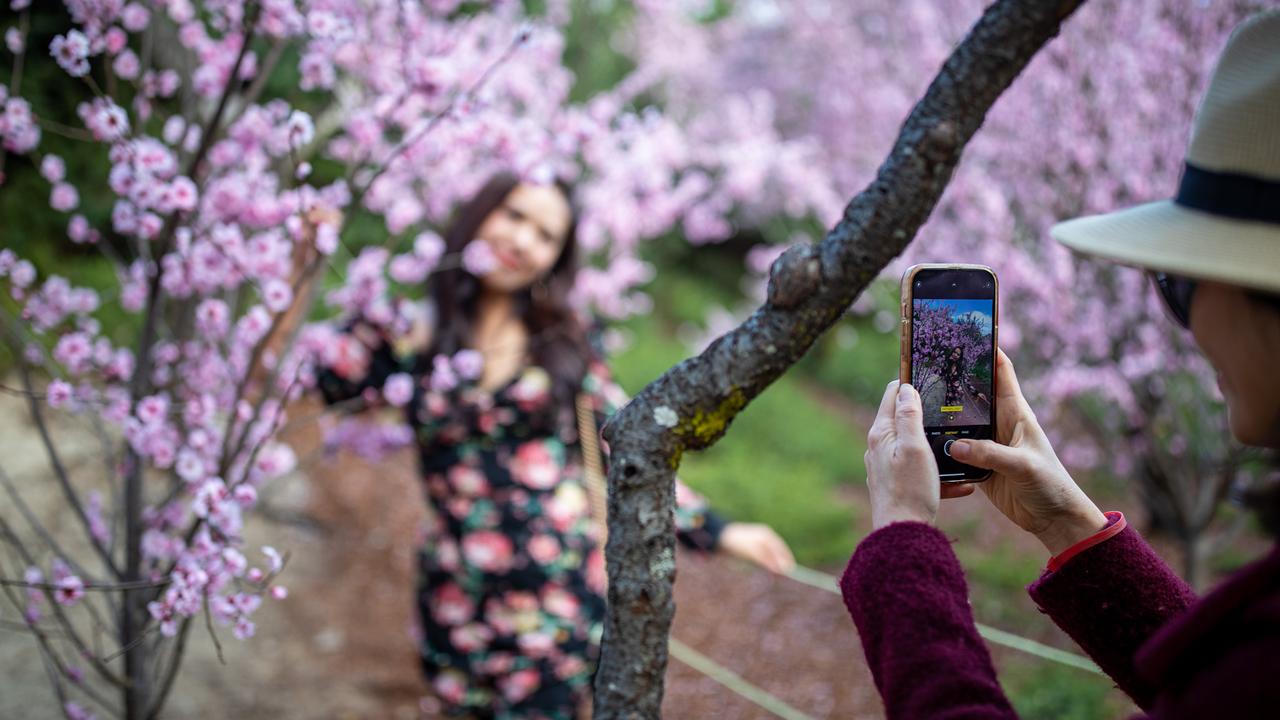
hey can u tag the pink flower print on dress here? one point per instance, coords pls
(567, 507)
(534, 466)
(544, 549)
(451, 685)
(468, 481)
(488, 550)
(536, 644)
(532, 390)
(519, 685)
(450, 606)
(471, 637)
(560, 602)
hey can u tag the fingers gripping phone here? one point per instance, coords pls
(949, 324)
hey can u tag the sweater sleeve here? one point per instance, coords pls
(906, 593)
(1111, 599)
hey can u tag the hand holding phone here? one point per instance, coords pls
(949, 327)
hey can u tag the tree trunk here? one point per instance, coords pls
(690, 406)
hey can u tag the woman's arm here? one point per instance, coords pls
(1111, 598)
(904, 587)
(906, 594)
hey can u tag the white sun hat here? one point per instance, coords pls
(1224, 223)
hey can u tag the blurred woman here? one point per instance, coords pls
(1214, 256)
(511, 575)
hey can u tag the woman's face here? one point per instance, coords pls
(1241, 338)
(527, 233)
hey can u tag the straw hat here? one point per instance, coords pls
(1224, 223)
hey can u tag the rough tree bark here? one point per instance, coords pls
(810, 286)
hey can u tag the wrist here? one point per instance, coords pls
(1069, 529)
(891, 515)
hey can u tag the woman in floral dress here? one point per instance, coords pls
(511, 579)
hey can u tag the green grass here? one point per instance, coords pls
(1045, 691)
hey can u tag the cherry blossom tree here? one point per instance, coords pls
(222, 180)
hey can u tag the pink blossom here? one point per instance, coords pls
(72, 52)
(478, 258)
(430, 248)
(469, 364)
(274, 561)
(107, 121)
(245, 495)
(173, 129)
(278, 592)
(115, 40)
(14, 41)
(300, 129)
(326, 238)
(277, 295)
(398, 390)
(135, 17)
(64, 197)
(58, 393)
(126, 65)
(153, 409)
(53, 169)
(443, 378)
(78, 229)
(212, 318)
(73, 709)
(69, 590)
(408, 269)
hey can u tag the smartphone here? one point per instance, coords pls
(950, 321)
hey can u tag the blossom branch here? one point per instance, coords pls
(59, 470)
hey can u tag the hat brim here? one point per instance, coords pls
(1167, 237)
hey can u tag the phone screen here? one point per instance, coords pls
(953, 323)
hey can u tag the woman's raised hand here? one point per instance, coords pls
(902, 475)
(1029, 484)
(759, 544)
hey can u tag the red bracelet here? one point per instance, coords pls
(1115, 524)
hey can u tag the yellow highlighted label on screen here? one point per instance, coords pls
(952, 408)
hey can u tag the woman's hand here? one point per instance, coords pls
(901, 472)
(1029, 485)
(759, 544)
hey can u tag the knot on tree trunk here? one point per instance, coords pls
(941, 141)
(794, 276)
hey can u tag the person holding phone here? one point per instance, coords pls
(491, 377)
(1214, 256)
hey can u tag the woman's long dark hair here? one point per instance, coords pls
(557, 339)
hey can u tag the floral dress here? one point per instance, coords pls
(511, 577)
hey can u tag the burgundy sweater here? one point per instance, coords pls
(1175, 656)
